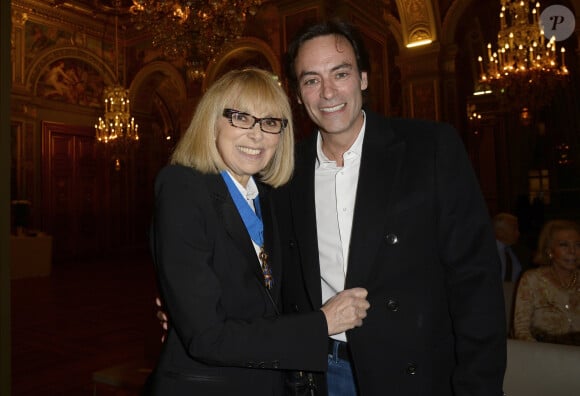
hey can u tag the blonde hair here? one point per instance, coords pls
(542, 256)
(238, 89)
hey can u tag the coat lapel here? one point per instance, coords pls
(380, 167)
(233, 223)
(304, 216)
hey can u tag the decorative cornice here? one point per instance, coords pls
(417, 20)
(30, 9)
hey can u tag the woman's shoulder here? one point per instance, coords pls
(174, 172)
(538, 272)
(536, 276)
(181, 177)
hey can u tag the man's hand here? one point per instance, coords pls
(346, 310)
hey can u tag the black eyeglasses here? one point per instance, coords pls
(239, 119)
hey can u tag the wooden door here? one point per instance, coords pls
(71, 196)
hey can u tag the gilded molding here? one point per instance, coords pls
(417, 20)
(94, 25)
(139, 83)
(39, 65)
(231, 51)
(19, 18)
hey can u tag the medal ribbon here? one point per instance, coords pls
(253, 222)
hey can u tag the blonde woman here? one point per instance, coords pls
(547, 306)
(217, 251)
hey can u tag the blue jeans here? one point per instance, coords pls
(339, 377)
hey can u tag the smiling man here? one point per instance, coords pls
(392, 206)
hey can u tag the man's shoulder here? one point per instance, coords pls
(408, 128)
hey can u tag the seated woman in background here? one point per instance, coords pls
(547, 306)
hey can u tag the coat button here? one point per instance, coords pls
(292, 244)
(295, 308)
(391, 239)
(276, 364)
(411, 369)
(392, 305)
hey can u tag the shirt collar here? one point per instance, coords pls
(356, 147)
(249, 192)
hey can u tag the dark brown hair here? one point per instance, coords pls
(331, 27)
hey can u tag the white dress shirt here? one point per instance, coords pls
(335, 193)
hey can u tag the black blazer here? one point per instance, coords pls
(225, 337)
(423, 246)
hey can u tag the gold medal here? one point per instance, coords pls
(266, 270)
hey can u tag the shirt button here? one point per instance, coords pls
(391, 239)
(392, 305)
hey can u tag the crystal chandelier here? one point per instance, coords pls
(193, 30)
(524, 69)
(117, 127)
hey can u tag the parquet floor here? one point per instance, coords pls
(84, 317)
